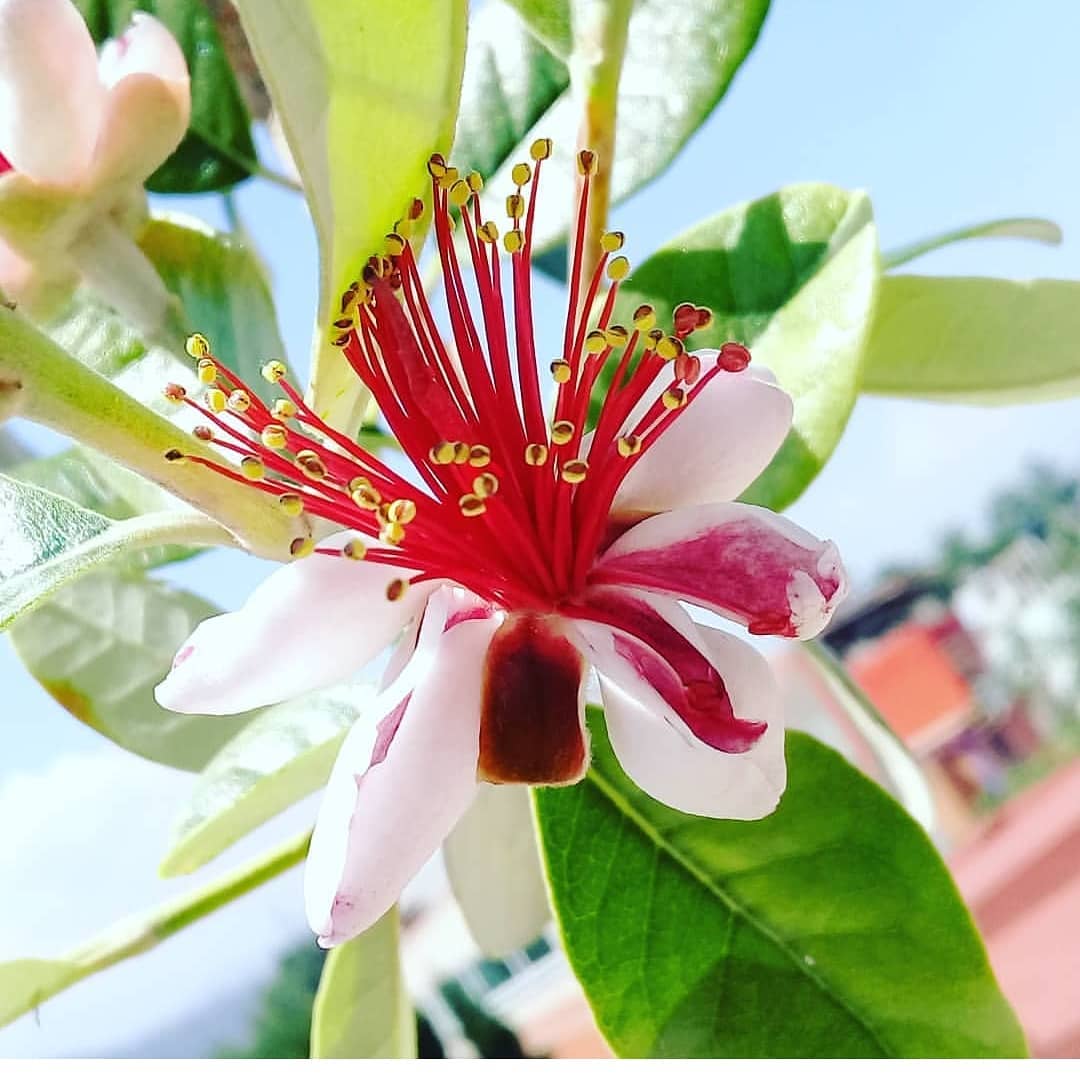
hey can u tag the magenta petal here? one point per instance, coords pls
(744, 562)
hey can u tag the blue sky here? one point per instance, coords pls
(945, 113)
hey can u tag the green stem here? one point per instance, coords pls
(40, 381)
(1021, 228)
(600, 33)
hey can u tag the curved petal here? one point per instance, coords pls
(50, 94)
(688, 775)
(148, 104)
(392, 801)
(310, 624)
(744, 562)
(712, 452)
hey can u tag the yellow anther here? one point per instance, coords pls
(644, 317)
(612, 241)
(485, 485)
(562, 431)
(252, 468)
(515, 206)
(174, 392)
(436, 165)
(354, 549)
(654, 337)
(283, 409)
(274, 436)
(460, 193)
(197, 347)
(239, 401)
(540, 149)
(293, 505)
(471, 505)
(618, 268)
(475, 181)
(536, 454)
(396, 589)
(360, 483)
(667, 348)
(367, 498)
(616, 336)
(628, 445)
(449, 178)
(216, 399)
(403, 227)
(514, 241)
(311, 465)
(674, 398)
(301, 547)
(574, 471)
(395, 243)
(521, 174)
(392, 532)
(595, 341)
(488, 232)
(401, 512)
(273, 371)
(479, 456)
(207, 371)
(586, 163)
(461, 453)
(561, 371)
(442, 453)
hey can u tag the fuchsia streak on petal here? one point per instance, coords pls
(383, 817)
(655, 647)
(744, 562)
(718, 446)
(5, 165)
(688, 775)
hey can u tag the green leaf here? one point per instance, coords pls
(829, 929)
(980, 340)
(1039, 230)
(102, 644)
(217, 150)
(46, 541)
(549, 20)
(681, 56)
(283, 754)
(793, 275)
(362, 1009)
(25, 984)
(366, 93)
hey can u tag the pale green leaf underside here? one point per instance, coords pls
(829, 929)
(362, 1008)
(1039, 230)
(549, 21)
(986, 341)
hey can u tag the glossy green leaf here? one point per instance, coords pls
(548, 20)
(829, 929)
(217, 150)
(494, 870)
(1039, 230)
(46, 541)
(102, 644)
(794, 276)
(985, 341)
(681, 56)
(283, 754)
(366, 93)
(362, 1008)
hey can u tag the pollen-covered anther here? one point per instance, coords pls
(392, 532)
(436, 166)
(688, 368)
(475, 181)
(618, 268)
(485, 485)
(654, 337)
(207, 371)
(301, 547)
(283, 409)
(587, 163)
(449, 178)
(644, 317)
(673, 398)
(252, 468)
(733, 357)
(273, 371)
(203, 432)
(311, 465)
(367, 498)
(197, 346)
(574, 471)
(174, 392)
(540, 149)
(668, 348)
(216, 399)
(239, 401)
(401, 512)
(442, 453)
(396, 589)
(536, 454)
(515, 206)
(460, 192)
(395, 245)
(562, 431)
(595, 342)
(612, 241)
(628, 446)
(471, 505)
(354, 549)
(292, 505)
(514, 241)
(561, 371)
(616, 336)
(358, 483)
(488, 232)
(479, 456)
(461, 453)
(274, 437)
(521, 174)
